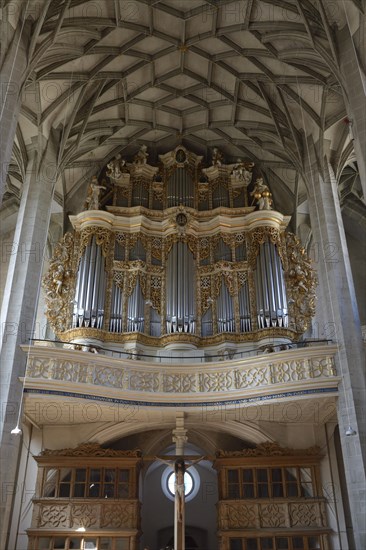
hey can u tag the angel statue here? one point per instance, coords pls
(92, 199)
(262, 195)
(217, 157)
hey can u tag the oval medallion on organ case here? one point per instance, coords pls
(181, 219)
(180, 156)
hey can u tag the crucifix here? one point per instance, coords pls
(180, 466)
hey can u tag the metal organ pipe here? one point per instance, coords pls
(90, 289)
(180, 189)
(225, 310)
(180, 290)
(135, 310)
(96, 282)
(270, 288)
(244, 309)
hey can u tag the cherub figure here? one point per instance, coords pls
(116, 167)
(243, 171)
(141, 155)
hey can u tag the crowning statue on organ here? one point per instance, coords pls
(179, 252)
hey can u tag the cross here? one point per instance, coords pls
(179, 465)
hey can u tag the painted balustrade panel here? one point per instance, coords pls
(250, 374)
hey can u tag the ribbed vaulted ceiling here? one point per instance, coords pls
(251, 77)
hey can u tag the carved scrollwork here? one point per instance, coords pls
(204, 247)
(272, 515)
(84, 515)
(177, 383)
(118, 279)
(269, 448)
(260, 235)
(238, 516)
(91, 449)
(121, 238)
(216, 381)
(205, 289)
(242, 278)
(305, 515)
(118, 516)
(155, 292)
(58, 283)
(156, 247)
(301, 282)
(131, 280)
(103, 238)
(55, 515)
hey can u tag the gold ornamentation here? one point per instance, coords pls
(260, 235)
(288, 371)
(91, 449)
(118, 279)
(156, 247)
(102, 238)
(155, 292)
(300, 282)
(322, 367)
(58, 283)
(242, 278)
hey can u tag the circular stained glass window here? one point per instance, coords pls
(188, 483)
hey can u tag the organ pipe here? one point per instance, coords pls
(90, 288)
(180, 290)
(180, 189)
(244, 309)
(135, 310)
(207, 325)
(115, 323)
(225, 310)
(270, 288)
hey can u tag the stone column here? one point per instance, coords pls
(352, 65)
(19, 310)
(12, 70)
(339, 306)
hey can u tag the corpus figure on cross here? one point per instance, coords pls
(180, 467)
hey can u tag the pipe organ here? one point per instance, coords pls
(174, 253)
